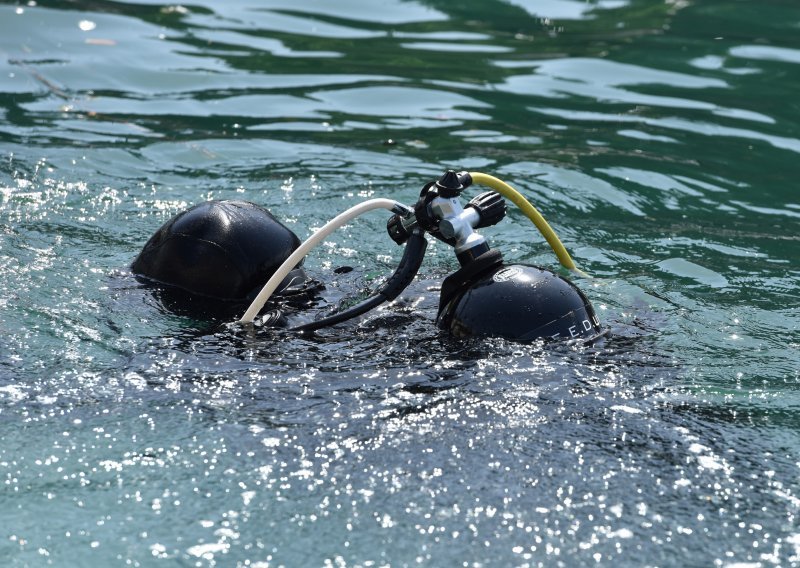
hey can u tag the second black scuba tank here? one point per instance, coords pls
(516, 302)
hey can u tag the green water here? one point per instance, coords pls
(660, 139)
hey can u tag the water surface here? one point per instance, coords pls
(660, 140)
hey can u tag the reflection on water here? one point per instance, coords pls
(658, 139)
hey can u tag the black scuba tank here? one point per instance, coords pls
(517, 302)
(223, 250)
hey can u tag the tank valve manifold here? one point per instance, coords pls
(440, 213)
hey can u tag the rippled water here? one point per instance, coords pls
(660, 139)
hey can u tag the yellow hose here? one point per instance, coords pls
(531, 213)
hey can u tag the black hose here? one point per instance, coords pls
(393, 287)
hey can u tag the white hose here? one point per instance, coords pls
(311, 242)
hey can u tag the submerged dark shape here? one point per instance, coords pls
(517, 302)
(220, 250)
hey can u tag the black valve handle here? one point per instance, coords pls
(491, 208)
